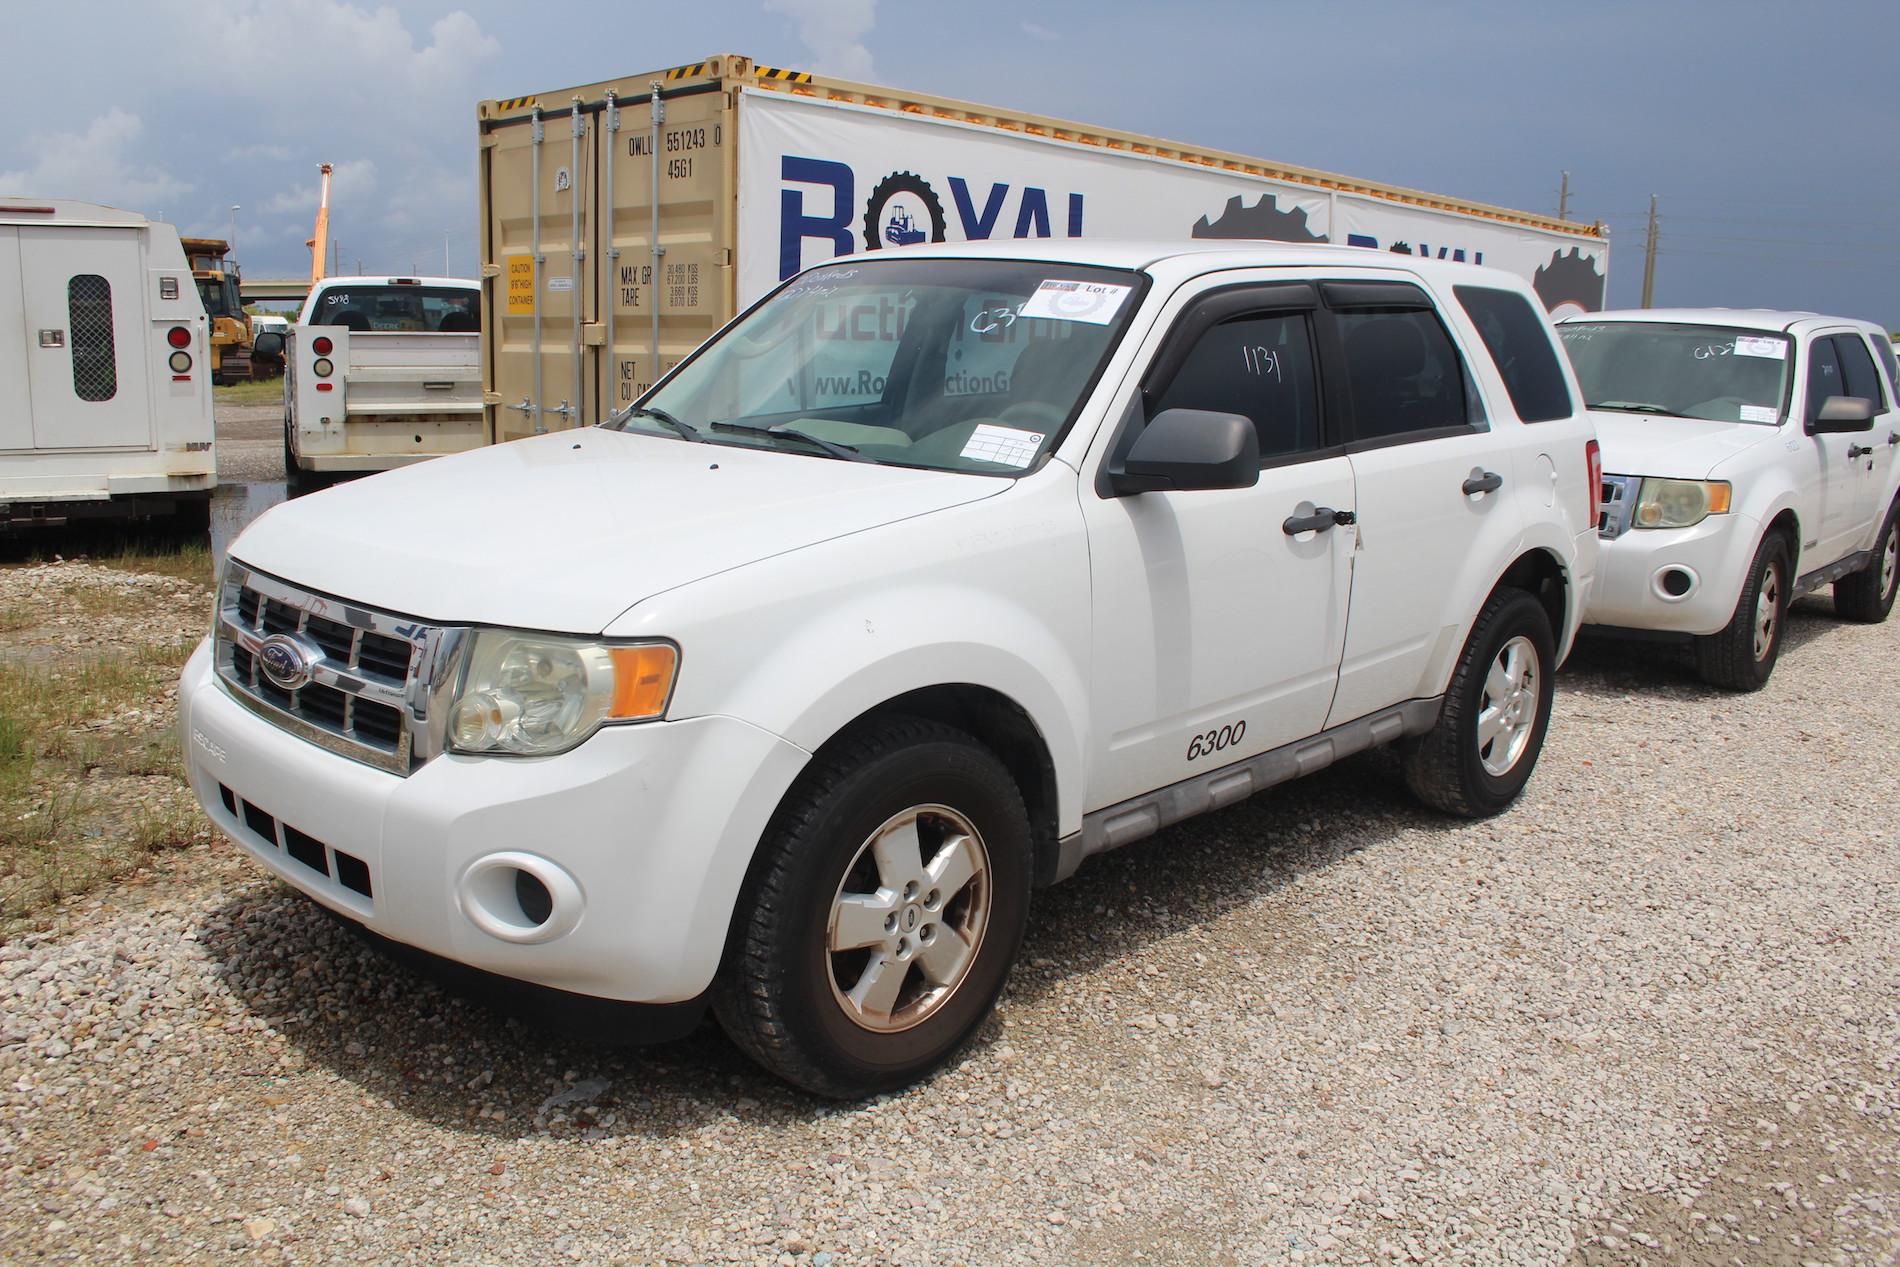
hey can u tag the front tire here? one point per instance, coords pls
(1479, 754)
(882, 914)
(1743, 654)
(1867, 595)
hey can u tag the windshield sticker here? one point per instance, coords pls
(1004, 446)
(1093, 302)
(1760, 413)
(1754, 345)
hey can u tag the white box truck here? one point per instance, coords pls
(592, 283)
(105, 368)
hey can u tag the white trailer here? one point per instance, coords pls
(105, 368)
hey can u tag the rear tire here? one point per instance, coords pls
(1742, 656)
(1867, 595)
(1477, 757)
(882, 913)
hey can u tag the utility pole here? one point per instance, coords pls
(336, 256)
(1649, 258)
(235, 208)
(1563, 198)
(445, 253)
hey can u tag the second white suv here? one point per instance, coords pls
(1749, 459)
(935, 573)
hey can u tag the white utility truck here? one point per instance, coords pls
(379, 372)
(936, 573)
(1751, 460)
(623, 222)
(105, 377)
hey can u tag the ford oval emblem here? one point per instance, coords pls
(285, 661)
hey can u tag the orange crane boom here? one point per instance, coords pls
(320, 244)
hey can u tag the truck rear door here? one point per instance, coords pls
(85, 337)
(16, 401)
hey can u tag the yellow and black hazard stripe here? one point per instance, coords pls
(785, 76)
(687, 72)
(516, 103)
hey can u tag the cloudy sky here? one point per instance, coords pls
(1766, 130)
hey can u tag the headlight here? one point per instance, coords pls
(533, 695)
(1679, 503)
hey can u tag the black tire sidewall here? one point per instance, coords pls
(1774, 548)
(1520, 615)
(966, 779)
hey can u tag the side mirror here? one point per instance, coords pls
(269, 343)
(1842, 414)
(1186, 449)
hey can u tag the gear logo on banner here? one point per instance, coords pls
(903, 211)
(1263, 220)
(1569, 284)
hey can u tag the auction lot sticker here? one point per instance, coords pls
(1093, 302)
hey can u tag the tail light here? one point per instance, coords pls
(322, 367)
(181, 362)
(178, 337)
(1593, 458)
(321, 346)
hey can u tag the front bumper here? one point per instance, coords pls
(642, 836)
(1635, 573)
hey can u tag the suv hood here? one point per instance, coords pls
(1672, 448)
(563, 532)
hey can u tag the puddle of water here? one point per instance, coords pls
(232, 507)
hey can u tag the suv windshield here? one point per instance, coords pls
(962, 365)
(405, 309)
(1719, 373)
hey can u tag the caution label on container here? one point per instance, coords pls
(521, 285)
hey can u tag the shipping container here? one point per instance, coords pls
(593, 285)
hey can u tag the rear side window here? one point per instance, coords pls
(1258, 366)
(1885, 349)
(1402, 373)
(89, 322)
(1518, 339)
(1824, 376)
(1857, 368)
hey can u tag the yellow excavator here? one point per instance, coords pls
(217, 279)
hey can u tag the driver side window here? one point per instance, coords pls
(1259, 366)
(1824, 376)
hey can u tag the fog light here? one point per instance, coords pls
(520, 897)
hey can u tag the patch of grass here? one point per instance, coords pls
(265, 391)
(15, 618)
(141, 548)
(64, 826)
(186, 560)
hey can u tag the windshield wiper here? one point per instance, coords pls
(831, 447)
(1637, 407)
(686, 429)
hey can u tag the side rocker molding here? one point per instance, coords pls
(1829, 574)
(1143, 816)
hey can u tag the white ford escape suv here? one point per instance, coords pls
(1750, 460)
(931, 575)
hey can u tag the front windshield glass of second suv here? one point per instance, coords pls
(970, 365)
(1719, 373)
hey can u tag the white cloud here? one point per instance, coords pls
(353, 180)
(95, 166)
(834, 31)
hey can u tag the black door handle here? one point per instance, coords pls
(1893, 437)
(1322, 519)
(1858, 451)
(1489, 482)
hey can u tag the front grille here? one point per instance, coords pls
(372, 685)
(1617, 504)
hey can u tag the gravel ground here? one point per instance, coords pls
(1648, 1015)
(250, 443)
